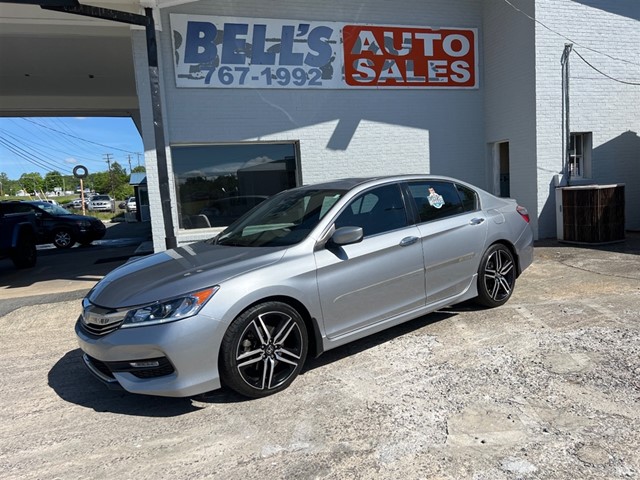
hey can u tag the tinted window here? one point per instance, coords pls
(17, 208)
(436, 199)
(376, 211)
(469, 198)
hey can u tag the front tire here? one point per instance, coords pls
(496, 276)
(263, 350)
(63, 238)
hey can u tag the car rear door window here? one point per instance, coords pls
(468, 197)
(435, 200)
(376, 211)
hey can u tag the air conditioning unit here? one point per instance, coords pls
(590, 214)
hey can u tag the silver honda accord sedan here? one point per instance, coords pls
(305, 271)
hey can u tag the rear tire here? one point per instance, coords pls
(263, 350)
(496, 276)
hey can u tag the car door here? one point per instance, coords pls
(20, 207)
(378, 278)
(453, 231)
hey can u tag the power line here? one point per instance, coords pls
(567, 38)
(602, 73)
(90, 149)
(16, 150)
(76, 137)
(31, 144)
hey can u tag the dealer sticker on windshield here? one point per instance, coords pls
(435, 200)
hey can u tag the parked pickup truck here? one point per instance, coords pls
(18, 238)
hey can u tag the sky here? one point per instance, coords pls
(43, 144)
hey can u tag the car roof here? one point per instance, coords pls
(350, 183)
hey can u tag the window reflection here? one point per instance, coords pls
(217, 184)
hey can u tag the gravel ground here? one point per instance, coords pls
(547, 386)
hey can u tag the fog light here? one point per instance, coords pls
(148, 364)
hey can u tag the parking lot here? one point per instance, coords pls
(547, 386)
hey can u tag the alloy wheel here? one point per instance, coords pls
(264, 349)
(499, 275)
(269, 350)
(63, 239)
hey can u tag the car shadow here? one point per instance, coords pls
(72, 382)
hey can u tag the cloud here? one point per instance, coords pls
(70, 160)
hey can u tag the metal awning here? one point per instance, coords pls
(138, 179)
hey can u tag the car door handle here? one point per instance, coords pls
(476, 221)
(406, 241)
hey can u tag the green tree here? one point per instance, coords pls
(139, 169)
(100, 182)
(52, 180)
(31, 182)
(4, 182)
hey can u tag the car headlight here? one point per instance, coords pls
(84, 223)
(169, 310)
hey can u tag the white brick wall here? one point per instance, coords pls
(364, 132)
(509, 78)
(608, 109)
(341, 132)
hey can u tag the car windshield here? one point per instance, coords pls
(56, 210)
(98, 198)
(282, 220)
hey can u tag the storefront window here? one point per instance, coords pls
(216, 184)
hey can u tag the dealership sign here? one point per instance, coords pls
(226, 52)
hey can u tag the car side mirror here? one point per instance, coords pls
(346, 236)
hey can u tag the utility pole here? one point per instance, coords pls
(566, 117)
(130, 169)
(108, 160)
(146, 21)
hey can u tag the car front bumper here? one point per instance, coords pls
(186, 350)
(95, 232)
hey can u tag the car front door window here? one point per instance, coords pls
(377, 211)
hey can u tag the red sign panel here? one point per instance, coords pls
(410, 57)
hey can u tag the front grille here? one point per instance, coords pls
(99, 330)
(98, 321)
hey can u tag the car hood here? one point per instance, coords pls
(178, 271)
(77, 218)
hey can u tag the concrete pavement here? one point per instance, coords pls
(544, 387)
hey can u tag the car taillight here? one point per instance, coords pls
(523, 212)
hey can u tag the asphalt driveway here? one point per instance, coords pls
(547, 386)
(69, 274)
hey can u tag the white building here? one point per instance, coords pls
(260, 96)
